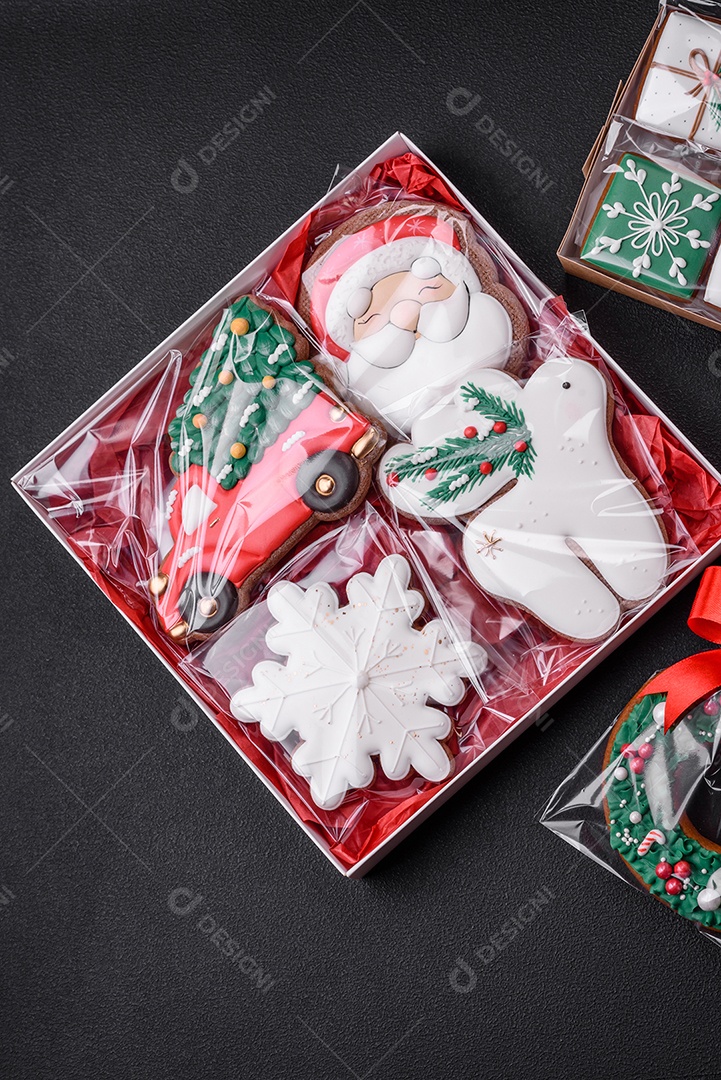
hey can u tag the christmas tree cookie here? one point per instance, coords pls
(355, 686)
(560, 528)
(261, 452)
(653, 226)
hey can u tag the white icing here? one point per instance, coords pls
(219, 342)
(425, 455)
(170, 503)
(671, 101)
(188, 554)
(576, 492)
(185, 448)
(292, 440)
(357, 681)
(277, 353)
(358, 302)
(434, 368)
(225, 471)
(381, 263)
(657, 223)
(202, 394)
(709, 899)
(712, 292)
(425, 268)
(197, 508)
(247, 413)
(302, 391)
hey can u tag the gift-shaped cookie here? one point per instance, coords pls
(561, 529)
(355, 687)
(653, 226)
(261, 453)
(681, 93)
(407, 302)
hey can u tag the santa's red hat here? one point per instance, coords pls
(339, 284)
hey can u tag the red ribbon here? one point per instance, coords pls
(701, 67)
(692, 680)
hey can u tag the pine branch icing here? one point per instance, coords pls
(497, 436)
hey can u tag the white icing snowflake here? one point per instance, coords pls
(357, 681)
(655, 226)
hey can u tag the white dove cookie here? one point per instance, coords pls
(561, 527)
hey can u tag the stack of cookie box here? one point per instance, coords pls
(657, 160)
(535, 295)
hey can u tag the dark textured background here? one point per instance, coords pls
(105, 806)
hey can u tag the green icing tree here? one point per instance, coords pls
(243, 394)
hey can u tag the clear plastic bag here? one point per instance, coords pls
(645, 801)
(248, 479)
(649, 215)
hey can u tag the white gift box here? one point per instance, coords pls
(681, 94)
(535, 295)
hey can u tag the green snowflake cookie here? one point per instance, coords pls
(654, 226)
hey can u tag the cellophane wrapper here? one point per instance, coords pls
(650, 213)
(112, 492)
(659, 824)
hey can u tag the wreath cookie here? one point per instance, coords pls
(663, 819)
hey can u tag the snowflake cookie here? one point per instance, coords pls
(653, 226)
(356, 682)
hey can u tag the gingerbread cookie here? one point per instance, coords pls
(261, 453)
(654, 226)
(355, 685)
(661, 804)
(408, 303)
(681, 93)
(565, 532)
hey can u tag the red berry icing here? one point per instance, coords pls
(636, 765)
(431, 474)
(664, 869)
(499, 427)
(520, 446)
(682, 869)
(712, 707)
(470, 432)
(486, 467)
(393, 479)
(645, 751)
(627, 750)
(673, 886)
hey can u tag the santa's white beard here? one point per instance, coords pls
(399, 389)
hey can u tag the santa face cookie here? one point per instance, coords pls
(407, 302)
(563, 531)
(261, 453)
(356, 682)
